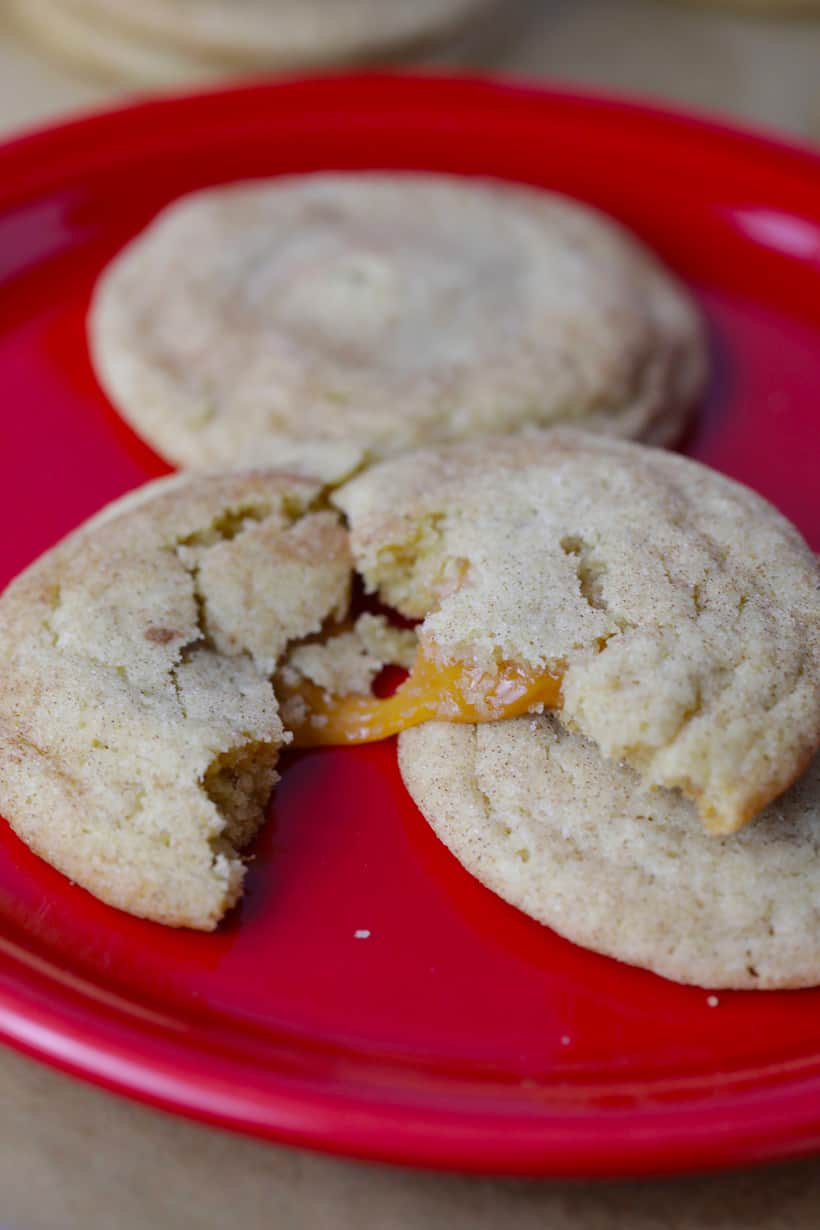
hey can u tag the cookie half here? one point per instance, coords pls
(386, 312)
(139, 730)
(539, 817)
(670, 614)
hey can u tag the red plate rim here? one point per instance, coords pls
(92, 1035)
(86, 132)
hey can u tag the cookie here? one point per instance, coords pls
(384, 312)
(538, 816)
(139, 730)
(77, 38)
(671, 614)
(248, 34)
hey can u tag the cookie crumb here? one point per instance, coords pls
(712, 1001)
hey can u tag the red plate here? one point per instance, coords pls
(458, 1033)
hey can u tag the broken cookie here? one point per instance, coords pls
(670, 614)
(139, 730)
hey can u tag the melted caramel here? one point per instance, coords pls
(455, 692)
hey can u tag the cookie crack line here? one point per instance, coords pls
(227, 525)
(54, 599)
(240, 777)
(588, 569)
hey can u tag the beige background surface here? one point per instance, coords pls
(72, 1157)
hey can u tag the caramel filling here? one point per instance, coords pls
(456, 692)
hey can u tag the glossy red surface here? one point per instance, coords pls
(459, 1033)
